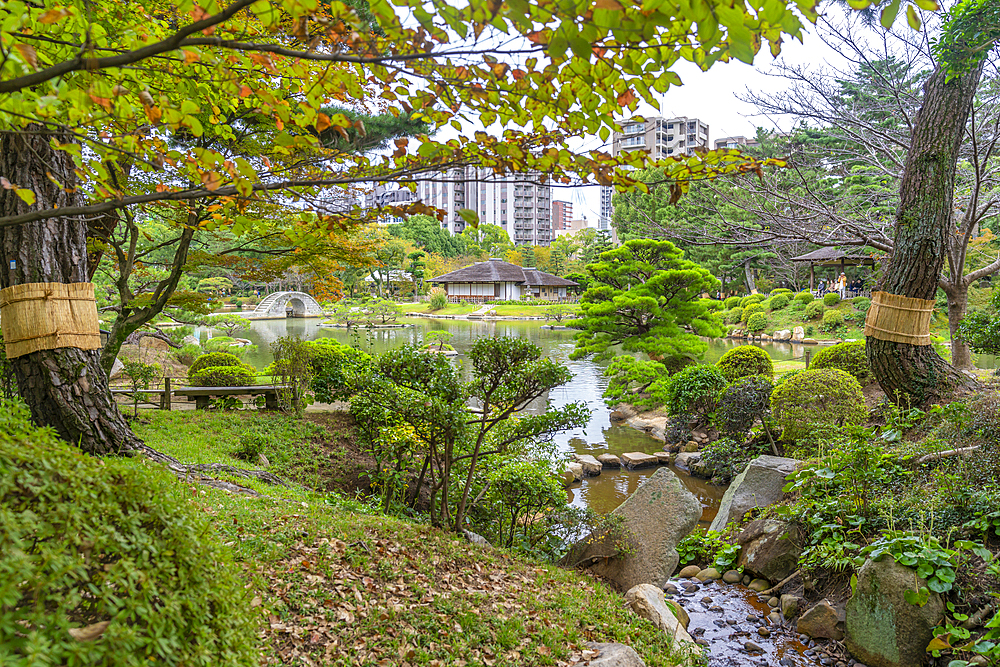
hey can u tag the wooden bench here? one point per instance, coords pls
(202, 395)
(163, 403)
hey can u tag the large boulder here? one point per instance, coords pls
(798, 333)
(757, 486)
(657, 516)
(822, 621)
(572, 473)
(770, 548)
(686, 460)
(647, 601)
(614, 655)
(883, 629)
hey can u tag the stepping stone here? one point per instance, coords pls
(610, 461)
(633, 460)
(591, 466)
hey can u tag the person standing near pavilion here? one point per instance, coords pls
(842, 285)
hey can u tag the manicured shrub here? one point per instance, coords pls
(787, 376)
(743, 403)
(438, 299)
(778, 302)
(693, 390)
(831, 299)
(849, 357)
(734, 315)
(833, 320)
(215, 359)
(337, 369)
(751, 298)
(728, 457)
(223, 376)
(112, 550)
(782, 290)
(814, 310)
(187, 354)
(219, 344)
(732, 302)
(757, 322)
(744, 361)
(749, 310)
(766, 304)
(804, 297)
(861, 303)
(817, 398)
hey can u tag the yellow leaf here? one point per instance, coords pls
(191, 57)
(322, 122)
(53, 15)
(27, 53)
(912, 17)
(938, 644)
(26, 195)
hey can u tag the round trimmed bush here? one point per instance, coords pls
(788, 376)
(744, 361)
(831, 299)
(743, 403)
(114, 549)
(732, 302)
(817, 398)
(861, 303)
(751, 298)
(804, 297)
(833, 320)
(214, 359)
(734, 315)
(778, 301)
(757, 322)
(749, 310)
(337, 369)
(814, 310)
(694, 390)
(223, 376)
(782, 290)
(849, 357)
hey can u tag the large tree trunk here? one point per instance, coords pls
(922, 224)
(65, 388)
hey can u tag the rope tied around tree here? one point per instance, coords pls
(49, 316)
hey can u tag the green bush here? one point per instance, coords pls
(749, 310)
(849, 357)
(787, 376)
(743, 403)
(861, 303)
(766, 304)
(810, 331)
(778, 302)
(732, 302)
(817, 398)
(757, 322)
(744, 361)
(693, 390)
(187, 354)
(782, 290)
(215, 359)
(337, 368)
(814, 310)
(751, 298)
(734, 315)
(804, 297)
(438, 299)
(728, 457)
(833, 320)
(223, 376)
(713, 305)
(87, 541)
(831, 299)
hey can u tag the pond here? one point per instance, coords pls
(602, 493)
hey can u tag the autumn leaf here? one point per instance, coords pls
(626, 98)
(52, 16)
(26, 195)
(610, 5)
(211, 180)
(27, 53)
(89, 633)
(322, 122)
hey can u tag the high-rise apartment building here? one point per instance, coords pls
(661, 138)
(735, 142)
(562, 214)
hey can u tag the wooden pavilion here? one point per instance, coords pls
(831, 257)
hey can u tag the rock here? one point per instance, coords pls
(731, 577)
(798, 333)
(614, 655)
(664, 457)
(772, 602)
(757, 486)
(774, 618)
(689, 572)
(765, 338)
(709, 573)
(770, 548)
(190, 340)
(700, 468)
(883, 629)
(810, 341)
(610, 461)
(979, 661)
(687, 459)
(647, 602)
(746, 580)
(657, 515)
(591, 466)
(822, 621)
(116, 369)
(617, 416)
(691, 446)
(633, 460)
(789, 606)
(476, 539)
(763, 631)
(679, 612)
(572, 473)
(759, 585)
(750, 647)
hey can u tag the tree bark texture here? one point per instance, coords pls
(923, 221)
(64, 388)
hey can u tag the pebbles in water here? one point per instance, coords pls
(752, 648)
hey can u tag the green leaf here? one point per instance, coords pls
(889, 14)
(912, 17)
(26, 195)
(469, 216)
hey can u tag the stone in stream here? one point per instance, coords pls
(573, 473)
(647, 602)
(774, 617)
(591, 466)
(709, 573)
(657, 516)
(759, 585)
(750, 647)
(823, 621)
(770, 548)
(789, 605)
(614, 655)
(763, 631)
(610, 461)
(758, 486)
(665, 458)
(634, 460)
(690, 446)
(772, 602)
(689, 572)
(686, 460)
(731, 577)
(883, 629)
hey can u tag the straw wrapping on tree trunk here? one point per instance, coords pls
(899, 319)
(49, 316)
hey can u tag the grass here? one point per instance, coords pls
(501, 310)
(338, 585)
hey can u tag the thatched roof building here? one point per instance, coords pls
(499, 280)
